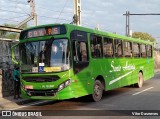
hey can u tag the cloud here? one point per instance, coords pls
(107, 13)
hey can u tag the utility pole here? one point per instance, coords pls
(77, 12)
(128, 20)
(127, 23)
(33, 11)
(33, 15)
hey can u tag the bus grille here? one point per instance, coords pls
(51, 92)
(42, 79)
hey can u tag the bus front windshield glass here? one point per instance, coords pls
(45, 56)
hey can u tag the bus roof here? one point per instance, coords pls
(89, 30)
(108, 34)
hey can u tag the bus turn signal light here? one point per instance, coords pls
(28, 87)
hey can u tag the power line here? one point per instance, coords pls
(21, 12)
(12, 19)
(17, 17)
(52, 10)
(54, 18)
(20, 9)
(12, 11)
(9, 20)
(16, 6)
(62, 9)
(18, 2)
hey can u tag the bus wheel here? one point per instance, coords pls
(140, 80)
(98, 91)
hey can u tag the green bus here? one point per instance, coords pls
(63, 61)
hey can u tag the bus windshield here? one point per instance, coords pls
(45, 56)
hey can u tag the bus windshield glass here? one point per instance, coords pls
(45, 56)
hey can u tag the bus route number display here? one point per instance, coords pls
(45, 31)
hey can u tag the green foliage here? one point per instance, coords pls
(143, 36)
(2, 33)
(11, 35)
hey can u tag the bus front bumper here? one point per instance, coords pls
(52, 94)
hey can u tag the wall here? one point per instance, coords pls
(6, 68)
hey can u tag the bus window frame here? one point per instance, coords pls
(101, 44)
(142, 52)
(116, 56)
(139, 49)
(151, 51)
(131, 49)
(110, 38)
(78, 65)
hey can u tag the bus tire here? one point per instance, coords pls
(140, 80)
(98, 91)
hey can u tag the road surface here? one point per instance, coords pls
(127, 98)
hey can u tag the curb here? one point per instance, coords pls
(25, 101)
(8, 101)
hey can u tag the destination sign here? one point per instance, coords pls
(45, 31)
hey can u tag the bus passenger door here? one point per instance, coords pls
(80, 62)
(80, 56)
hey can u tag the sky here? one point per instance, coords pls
(107, 13)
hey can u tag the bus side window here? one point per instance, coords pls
(108, 47)
(149, 51)
(118, 48)
(127, 46)
(80, 51)
(83, 51)
(136, 50)
(143, 50)
(80, 46)
(96, 46)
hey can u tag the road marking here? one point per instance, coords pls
(142, 91)
(32, 104)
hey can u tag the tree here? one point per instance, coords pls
(143, 36)
(11, 35)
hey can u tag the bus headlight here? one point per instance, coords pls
(64, 84)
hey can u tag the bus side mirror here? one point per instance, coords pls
(13, 54)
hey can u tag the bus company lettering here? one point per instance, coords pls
(115, 68)
(127, 67)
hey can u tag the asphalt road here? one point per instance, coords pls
(126, 98)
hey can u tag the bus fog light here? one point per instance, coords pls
(64, 84)
(67, 82)
(61, 87)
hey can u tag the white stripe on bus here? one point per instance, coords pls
(117, 79)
